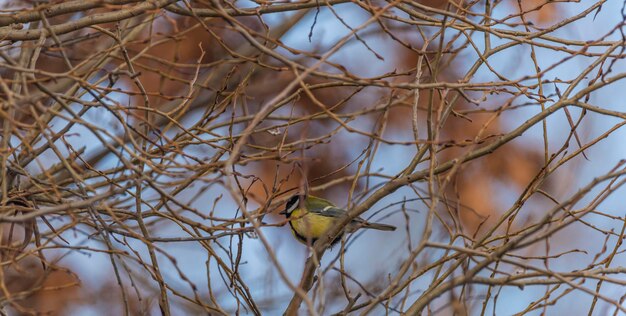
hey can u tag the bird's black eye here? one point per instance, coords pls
(292, 204)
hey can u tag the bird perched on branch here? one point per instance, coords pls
(311, 217)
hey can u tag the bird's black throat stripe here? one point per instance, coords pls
(300, 237)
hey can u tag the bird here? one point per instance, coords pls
(310, 217)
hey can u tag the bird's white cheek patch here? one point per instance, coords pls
(292, 208)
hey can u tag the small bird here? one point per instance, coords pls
(311, 217)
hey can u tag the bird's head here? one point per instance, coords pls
(292, 204)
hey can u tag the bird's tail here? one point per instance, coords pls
(379, 226)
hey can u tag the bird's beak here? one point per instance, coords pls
(283, 212)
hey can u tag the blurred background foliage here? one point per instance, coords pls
(113, 109)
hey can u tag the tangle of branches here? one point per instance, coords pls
(148, 146)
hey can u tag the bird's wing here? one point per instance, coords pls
(335, 212)
(331, 211)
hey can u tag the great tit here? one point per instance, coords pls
(311, 217)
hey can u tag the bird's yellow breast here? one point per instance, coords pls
(307, 225)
